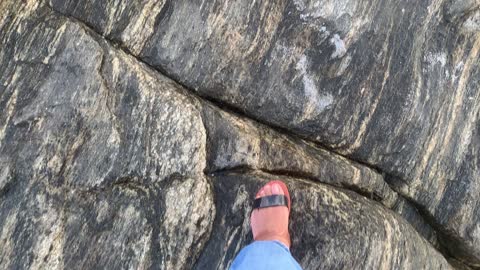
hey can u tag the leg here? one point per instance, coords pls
(269, 222)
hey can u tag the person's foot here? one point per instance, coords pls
(270, 220)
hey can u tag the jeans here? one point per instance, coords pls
(261, 255)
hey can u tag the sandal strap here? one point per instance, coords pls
(270, 201)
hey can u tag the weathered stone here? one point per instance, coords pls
(412, 215)
(136, 227)
(391, 84)
(241, 143)
(331, 228)
(101, 158)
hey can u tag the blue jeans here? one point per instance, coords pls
(265, 255)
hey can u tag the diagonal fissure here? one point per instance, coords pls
(282, 130)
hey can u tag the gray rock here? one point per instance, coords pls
(241, 144)
(107, 163)
(393, 85)
(421, 222)
(102, 158)
(331, 228)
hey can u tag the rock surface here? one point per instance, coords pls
(368, 109)
(102, 158)
(239, 144)
(393, 85)
(356, 233)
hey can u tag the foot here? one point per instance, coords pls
(271, 223)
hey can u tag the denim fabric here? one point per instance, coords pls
(259, 255)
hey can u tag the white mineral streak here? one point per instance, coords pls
(335, 12)
(388, 242)
(327, 9)
(345, 62)
(49, 245)
(141, 28)
(436, 58)
(315, 103)
(6, 237)
(419, 38)
(454, 114)
(113, 8)
(142, 250)
(363, 125)
(472, 23)
(9, 110)
(5, 177)
(190, 205)
(130, 232)
(340, 49)
(52, 47)
(476, 233)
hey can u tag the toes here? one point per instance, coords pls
(271, 188)
(276, 189)
(260, 193)
(268, 189)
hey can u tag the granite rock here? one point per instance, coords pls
(239, 144)
(394, 85)
(356, 233)
(102, 159)
(368, 109)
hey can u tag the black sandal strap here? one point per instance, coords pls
(270, 201)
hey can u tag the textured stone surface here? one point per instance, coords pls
(102, 159)
(241, 144)
(392, 84)
(370, 111)
(356, 233)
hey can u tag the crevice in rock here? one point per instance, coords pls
(130, 183)
(126, 183)
(212, 100)
(445, 237)
(306, 176)
(73, 152)
(108, 93)
(301, 175)
(282, 130)
(442, 249)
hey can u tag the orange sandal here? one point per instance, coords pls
(269, 219)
